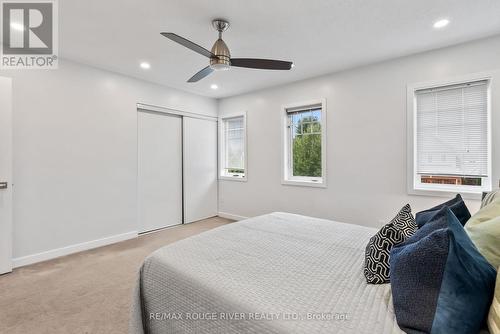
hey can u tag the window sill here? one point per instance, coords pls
(304, 183)
(233, 178)
(466, 194)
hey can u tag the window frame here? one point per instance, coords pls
(222, 140)
(414, 184)
(286, 178)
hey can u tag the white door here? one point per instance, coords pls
(200, 169)
(159, 170)
(5, 175)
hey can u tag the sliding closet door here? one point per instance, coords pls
(200, 169)
(5, 175)
(159, 170)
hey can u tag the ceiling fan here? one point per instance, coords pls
(220, 57)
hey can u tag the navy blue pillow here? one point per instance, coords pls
(440, 282)
(456, 205)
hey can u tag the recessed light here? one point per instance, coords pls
(145, 66)
(441, 23)
(17, 26)
(214, 86)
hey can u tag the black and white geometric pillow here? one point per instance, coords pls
(379, 247)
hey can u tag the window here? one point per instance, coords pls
(233, 147)
(304, 144)
(451, 138)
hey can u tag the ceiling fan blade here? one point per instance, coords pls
(188, 44)
(201, 74)
(264, 64)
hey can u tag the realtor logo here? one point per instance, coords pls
(29, 35)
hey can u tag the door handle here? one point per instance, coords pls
(3, 185)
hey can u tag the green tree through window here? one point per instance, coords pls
(306, 143)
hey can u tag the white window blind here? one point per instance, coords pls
(452, 130)
(234, 135)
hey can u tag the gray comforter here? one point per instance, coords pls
(278, 273)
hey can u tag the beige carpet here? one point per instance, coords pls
(88, 292)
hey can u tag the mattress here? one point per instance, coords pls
(277, 273)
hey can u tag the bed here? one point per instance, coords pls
(277, 273)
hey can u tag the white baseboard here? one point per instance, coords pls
(58, 252)
(231, 216)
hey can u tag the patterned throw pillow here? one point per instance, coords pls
(379, 247)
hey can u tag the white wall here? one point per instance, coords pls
(75, 145)
(75, 153)
(366, 160)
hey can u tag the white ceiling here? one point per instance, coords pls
(319, 36)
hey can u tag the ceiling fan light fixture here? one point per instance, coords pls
(220, 66)
(222, 59)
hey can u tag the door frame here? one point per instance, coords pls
(171, 111)
(176, 112)
(6, 233)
